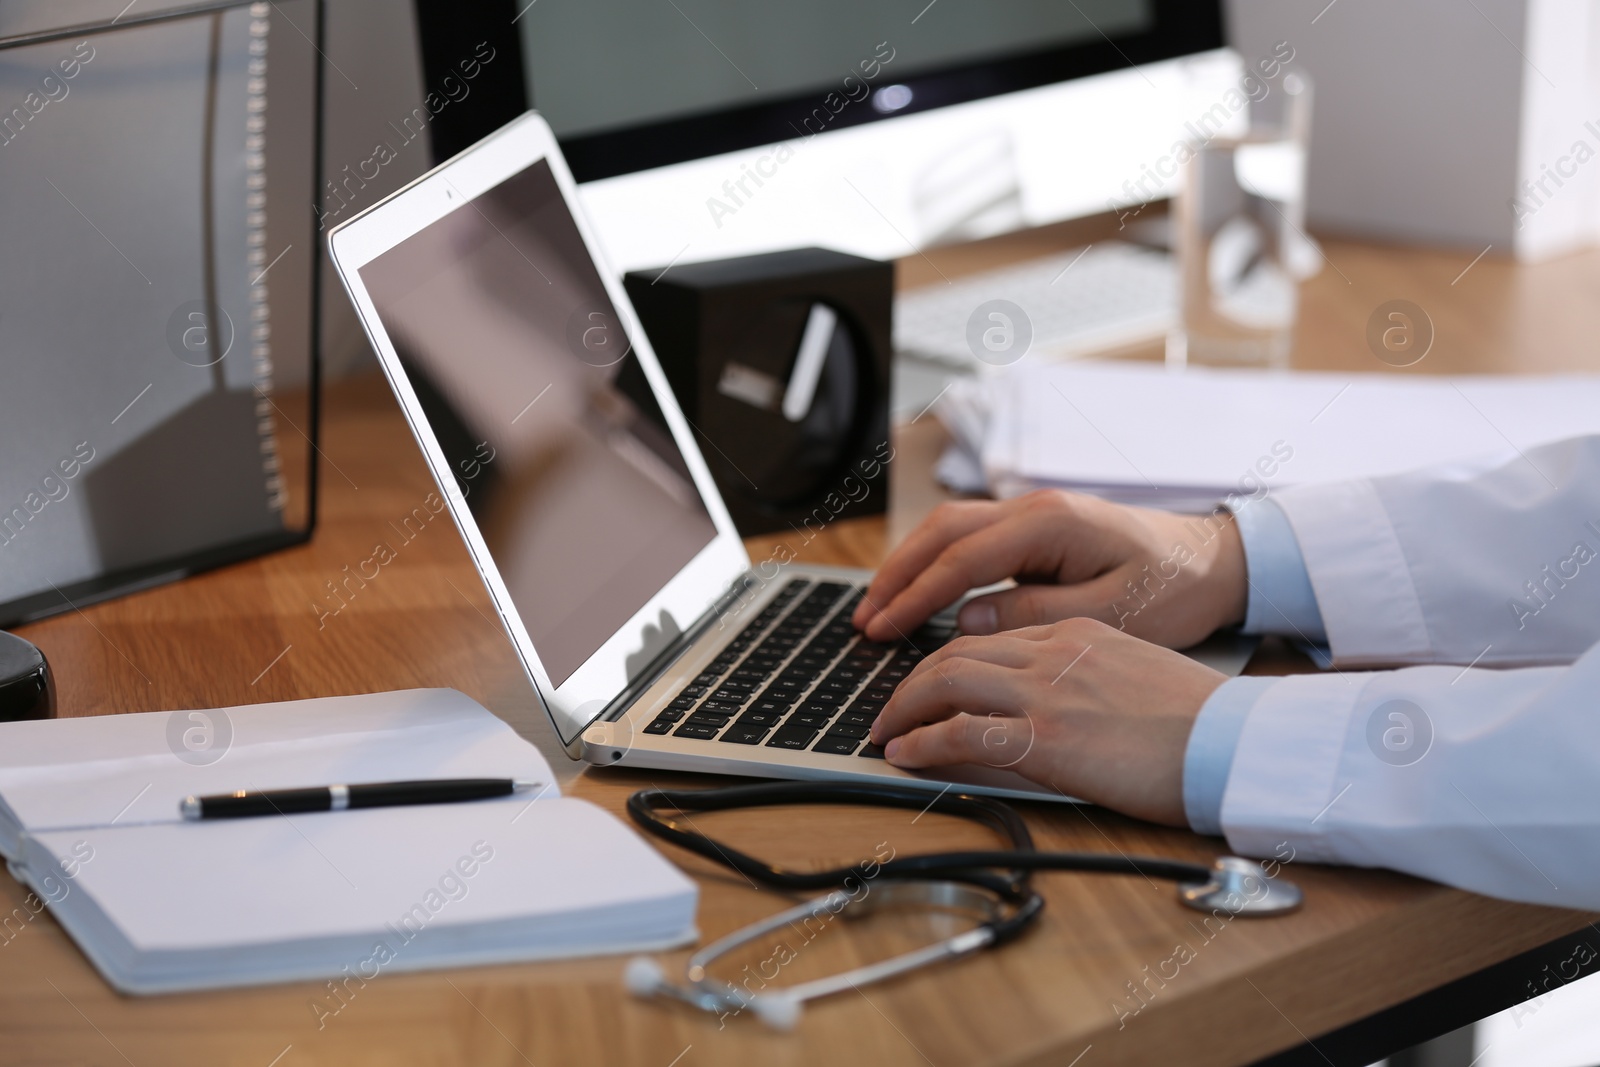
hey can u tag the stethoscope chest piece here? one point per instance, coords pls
(1238, 886)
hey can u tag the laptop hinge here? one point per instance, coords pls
(675, 650)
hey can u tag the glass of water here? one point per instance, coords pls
(1240, 236)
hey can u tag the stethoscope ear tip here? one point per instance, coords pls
(644, 977)
(778, 1010)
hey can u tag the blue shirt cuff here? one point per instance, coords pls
(1281, 600)
(1209, 757)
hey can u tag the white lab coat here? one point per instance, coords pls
(1486, 779)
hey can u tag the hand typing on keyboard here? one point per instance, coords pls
(1075, 705)
(1171, 579)
(1062, 678)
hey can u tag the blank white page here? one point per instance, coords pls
(1208, 428)
(286, 879)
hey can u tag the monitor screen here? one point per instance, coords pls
(543, 412)
(706, 129)
(605, 64)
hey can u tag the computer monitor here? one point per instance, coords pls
(710, 128)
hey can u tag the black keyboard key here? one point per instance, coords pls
(762, 718)
(873, 698)
(748, 676)
(856, 718)
(659, 725)
(702, 718)
(773, 705)
(836, 745)
(744, 733)
(731, 694)
(872, 751)
(682, 703)
(851, 730)
(835, 699)
(795, 737)
(724, 707)
(697, 730)
(815, 720)
(693, 691)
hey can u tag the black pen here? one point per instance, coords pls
(339, 797)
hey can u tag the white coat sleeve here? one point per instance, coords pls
(1494, 563)
(1482, 779)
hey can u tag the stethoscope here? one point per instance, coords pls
(992, 887)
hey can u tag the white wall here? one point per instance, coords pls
(1429, 114)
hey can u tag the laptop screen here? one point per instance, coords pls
(529, 384)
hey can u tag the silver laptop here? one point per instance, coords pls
(651, 637)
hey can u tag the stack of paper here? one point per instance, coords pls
(89, 820)
(1186, 441)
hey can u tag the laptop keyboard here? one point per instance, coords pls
(799, 676)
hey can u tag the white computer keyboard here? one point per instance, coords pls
(1100, 297)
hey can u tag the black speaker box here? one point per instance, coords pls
(781, 363)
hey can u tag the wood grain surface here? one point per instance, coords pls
(1095, 983)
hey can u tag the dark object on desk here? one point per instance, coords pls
(781, 362)
(26, 691)
(244, 804)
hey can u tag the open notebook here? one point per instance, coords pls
(89, 821)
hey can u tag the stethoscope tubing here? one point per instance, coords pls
(994, 884)
(1020, 860)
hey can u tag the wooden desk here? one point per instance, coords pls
(1366, 940)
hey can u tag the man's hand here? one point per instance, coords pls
(1171, 579)
(1077, 706)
